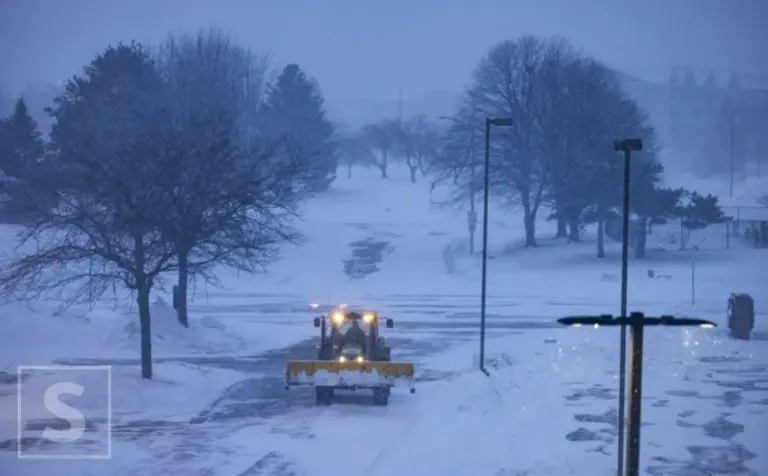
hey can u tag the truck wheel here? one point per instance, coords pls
(380, 396)
(323, 395)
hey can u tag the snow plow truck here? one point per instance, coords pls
(352, 355)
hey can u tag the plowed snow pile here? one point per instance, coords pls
(76, 333)
(204, 336)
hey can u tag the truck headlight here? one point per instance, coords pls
(368, 317)
(342, 359)
(360, 359)
(338, 318)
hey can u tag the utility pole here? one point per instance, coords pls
(733, 165)
(400, 107)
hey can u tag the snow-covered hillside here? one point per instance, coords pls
(218, 406)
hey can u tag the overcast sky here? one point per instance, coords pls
(368, 49)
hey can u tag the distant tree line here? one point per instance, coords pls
(414, 142)
(182, 158)
(558, 155)
(175, 159)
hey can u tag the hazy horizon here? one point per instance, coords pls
(360, 51)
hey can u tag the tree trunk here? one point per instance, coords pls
(573, 227)
(682, 236)
(183, 285)
(600, 237)
(384, 164)
(412, 169)
(530, 230)
(143, 286)
(642, 233)
(529, 222)
(562, 230)
(349, 170)
(146, 332)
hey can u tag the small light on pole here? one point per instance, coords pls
(499, 122)
(627, 146)
(636, 321)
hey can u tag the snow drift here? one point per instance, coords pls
(206, 335)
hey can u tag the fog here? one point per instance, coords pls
(363, 52)
(219, 219)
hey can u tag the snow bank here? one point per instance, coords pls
(206, 335)
(177, 392)
(511, 423)
(43, 332)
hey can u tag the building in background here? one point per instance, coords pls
(709, 117)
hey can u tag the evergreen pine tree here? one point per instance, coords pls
(294, 111)
(21, 145)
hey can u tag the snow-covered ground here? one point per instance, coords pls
(218, 407)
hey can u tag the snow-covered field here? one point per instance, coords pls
(218, 407)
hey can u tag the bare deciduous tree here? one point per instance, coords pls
(234, 197)
(417, 143)
(354, 149)
(107, 173)
(383, 138)
(566, 111)
(459, 156)
(508, 83)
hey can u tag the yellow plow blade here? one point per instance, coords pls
(347, 374)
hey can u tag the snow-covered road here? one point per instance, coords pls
(217, 406)
(552, 392)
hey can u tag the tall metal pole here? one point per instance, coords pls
(693, 276)
(635, 396)
(733, 119)
(472, 212)
(623, 328)
(484, 277)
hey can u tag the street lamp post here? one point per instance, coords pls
(627, 146)
(498, 121)
(733, 155)
(637, 322)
